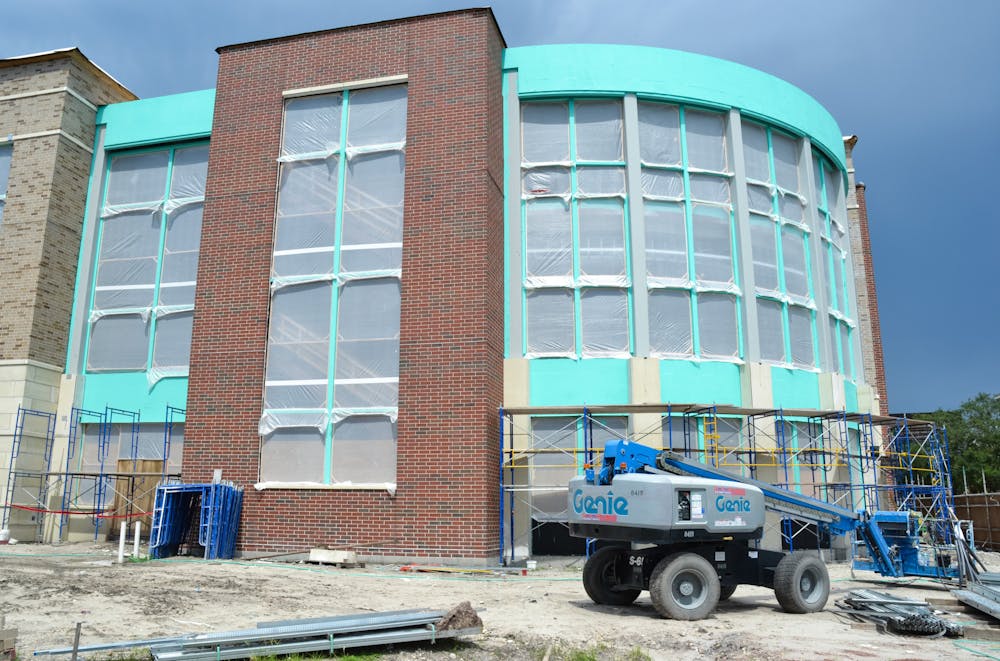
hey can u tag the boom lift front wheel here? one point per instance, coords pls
(603, 574)
(684, 586)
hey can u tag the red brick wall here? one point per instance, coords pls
(866, 243)
(451, 347)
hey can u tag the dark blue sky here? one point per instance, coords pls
(918, 82)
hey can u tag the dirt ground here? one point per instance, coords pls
(45, 590)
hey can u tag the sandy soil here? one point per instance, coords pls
(45, 590)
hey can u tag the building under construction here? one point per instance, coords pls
(397, 281)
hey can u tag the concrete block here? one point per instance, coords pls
(330, 557)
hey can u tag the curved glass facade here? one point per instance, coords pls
(647, 223)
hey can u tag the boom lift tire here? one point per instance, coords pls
(603, 573)
(726, 591)
(801, 583)
(684, 586)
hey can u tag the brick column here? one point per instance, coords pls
(451, 346)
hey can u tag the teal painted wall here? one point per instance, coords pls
(851, 396)
(131, 392)
(581, 69)
(160, 119)
(568, 382)
(700, 382)
(794, 389)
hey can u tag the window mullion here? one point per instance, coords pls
(689, 230)
(159, 260)
(575, 228)
(338, 225)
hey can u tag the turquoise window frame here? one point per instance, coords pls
(172, 148)
(5, 180)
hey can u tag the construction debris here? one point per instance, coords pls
(899, 616)
(463, 616)
(342, 559)
(983, 594)
(8, 640)
(331, 635)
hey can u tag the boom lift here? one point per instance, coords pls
(688, 533)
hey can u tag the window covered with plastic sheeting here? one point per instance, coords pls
(574, 224)
(832, 215)
(332, 374)
(6, 151)
(556, 443)
(146, 269)
(688, 217)
(779, 243)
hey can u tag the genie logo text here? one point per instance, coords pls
(731, 499)
(606, 507)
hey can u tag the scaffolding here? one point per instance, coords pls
(86, 483)
(858, 461)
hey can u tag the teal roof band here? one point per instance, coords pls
(160, 119)
(582, 69)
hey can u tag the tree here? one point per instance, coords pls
(974, 441)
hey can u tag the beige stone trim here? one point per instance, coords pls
(354, 84)
(46, 134)
(55, 90)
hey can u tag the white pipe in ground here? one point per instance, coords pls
(135, 544)
(121, 543)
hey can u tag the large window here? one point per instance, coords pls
(779, 236)
(142, 303)
(690, 275)
(331, 385)
(5, 154)
(576, 262)
(832, 214)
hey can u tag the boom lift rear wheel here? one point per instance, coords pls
(684, 586)
(801, 583)
(604, 573)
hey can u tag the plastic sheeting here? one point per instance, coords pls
(298, 347)
(136, 179)
(180, 256)
(598, 130)
(666, 242)
(600, 181)
(717, 325)
(365, 342)
(139, 200)
(118, 341)
(759, 199)
(172, 344)
(367, 346)
(545, 132)
(659, 133)
(786, 161)
(792, 208)
(376, 116)
(294, 454)
(6, 152)
(793, 247)
(706, 140)
(771, 330)
(126, 263)
(713, 257)
(602, 238)
(553, 180)
(800, 335)
(662, 184)
(839, 298)
(756, 157)
(604, 317)
(552, 469)
(549, 240)
(765, 254)
(709, 188)
(364, 450)
(550, 322)
(312, 125)
(372, 234)
(670, 322)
